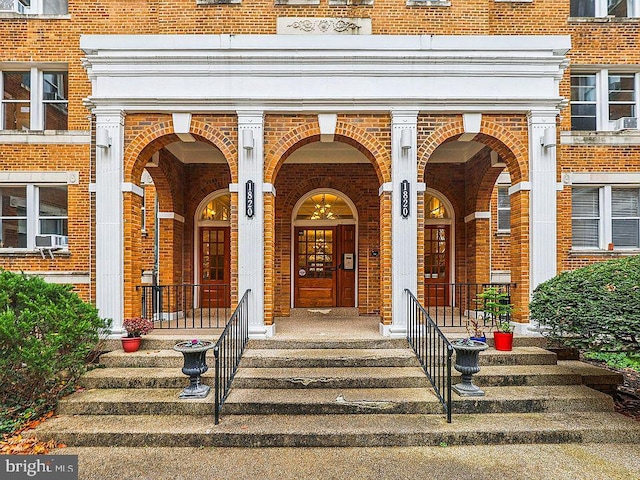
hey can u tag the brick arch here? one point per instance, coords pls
(347, 133)
(494, 135)
(161, 134)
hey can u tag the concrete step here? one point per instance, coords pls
(414, 400)
(343, 313)
(165, 401)
(165, 341)
(343, 431)
(328, 358)
(327, 343)
(139, 378)
(258, 358)
(339, 377)
(518, 340)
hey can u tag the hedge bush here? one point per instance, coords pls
(46, 335)
(595, 308)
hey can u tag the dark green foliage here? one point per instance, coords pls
(595, 308)
(46, 334)
(617, 360)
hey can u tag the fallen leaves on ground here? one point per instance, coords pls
(17, 444)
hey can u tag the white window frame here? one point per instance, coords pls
(36, 7)
(603, 124)
(602, 9)
(33, 213)
(36, 99)
(503, 209)
(605, 230)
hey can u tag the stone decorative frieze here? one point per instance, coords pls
(324, 26)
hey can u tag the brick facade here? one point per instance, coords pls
(179, 188)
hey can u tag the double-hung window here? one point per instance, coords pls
(605, 8)
(504, 210)
(606, 100)
(605, 217)
(30, 210)
(34, 99)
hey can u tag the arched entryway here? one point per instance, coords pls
(324, 250)
(212, 252)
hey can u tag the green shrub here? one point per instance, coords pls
(46, 334)
(617, 360)
(595, 308)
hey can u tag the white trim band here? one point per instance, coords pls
(133, 188)
(171, 216)
(71, 278)
(477, 216)
(604, 178)
(69, 177)
(526, 186)
(385, 187)
(269, 188)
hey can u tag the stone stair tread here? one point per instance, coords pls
(326, 430)
(144, 372)
(332, 372)
(316, 353)
(327, 342)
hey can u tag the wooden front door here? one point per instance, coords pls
(436, 264)
(215, 263)
(324, 266)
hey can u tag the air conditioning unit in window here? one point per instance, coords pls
(15, 6)
(51, 242)
(626, 123)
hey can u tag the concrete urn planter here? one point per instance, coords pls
(467, 363)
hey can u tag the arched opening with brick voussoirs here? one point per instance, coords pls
(328, 211)
(491, 241)
(186, 173)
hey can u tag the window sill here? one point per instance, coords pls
(578, 20)
(584, 137)
(605, 253)
(428, 3)
(61, 137)
(33, 16)
(503, 233)
(23, 252)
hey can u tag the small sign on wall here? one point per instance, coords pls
(250, 198)
(405, 199)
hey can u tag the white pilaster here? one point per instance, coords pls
(542, 210)
(251, 229)
(404, 244)
(109, 219)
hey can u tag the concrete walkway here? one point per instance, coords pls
(535, 462)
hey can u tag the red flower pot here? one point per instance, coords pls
(503, 341)
(131, 344)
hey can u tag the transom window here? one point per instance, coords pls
(605, 8)
(605, 100)
(324, 206)
(34, 99)
(30, 210)
(435, 208)
(605, 217)
(218, 209)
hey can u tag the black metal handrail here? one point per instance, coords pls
(433, 349)
(452, 304)
(228, 351)
(186, 305)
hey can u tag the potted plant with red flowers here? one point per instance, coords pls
(135, 327)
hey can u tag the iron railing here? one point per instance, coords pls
(186, 305)
(433, 350)
(228, 351)
(452, 304)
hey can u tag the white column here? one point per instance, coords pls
(109, 218)
(404, 227)
(251, 228)
(542, 202)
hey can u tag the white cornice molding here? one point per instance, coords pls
(522, 186)
(133, 188)
(281, 72)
